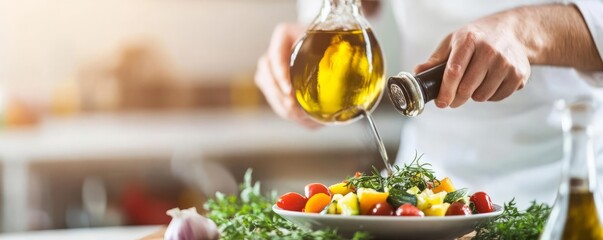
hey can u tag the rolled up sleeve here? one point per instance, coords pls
(592, 12)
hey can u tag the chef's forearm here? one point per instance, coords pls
(557, 35)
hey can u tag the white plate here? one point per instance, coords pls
(391, 227)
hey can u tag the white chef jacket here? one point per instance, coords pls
(512, 148)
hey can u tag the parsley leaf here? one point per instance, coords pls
(250, 216)
(515, 224)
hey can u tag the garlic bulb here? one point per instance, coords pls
(187, 224)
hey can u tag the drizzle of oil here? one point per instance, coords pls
(380, 145)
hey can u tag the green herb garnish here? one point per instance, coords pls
(250, 216)
(398, 197)
(458, 195)
(515, 224)
(403, 178)
(410, 175)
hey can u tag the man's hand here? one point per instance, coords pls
(485, 61)
(272, 75)
(489, 59)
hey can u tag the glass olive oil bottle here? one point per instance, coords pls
(337, 68)
(577, 210)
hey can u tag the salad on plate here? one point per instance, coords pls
(411, 191)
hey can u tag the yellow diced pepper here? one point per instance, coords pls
(438, 210)
(348, 204)
(340, 188)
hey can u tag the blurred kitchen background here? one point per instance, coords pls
(113, 111)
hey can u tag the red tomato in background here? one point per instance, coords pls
(382, 209)
(142, 207)
(314, 188)
(482, 202)
(292, 201)
(408, 209)
(458, 208)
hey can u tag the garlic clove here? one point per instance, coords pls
(188, 224)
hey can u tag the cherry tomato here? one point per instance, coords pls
(357, 175)
(482, 202)
(314, 188)
(408, 209)
(458, 208)
(292, 201)
(382, 209)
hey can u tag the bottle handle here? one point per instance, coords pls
(431, 80)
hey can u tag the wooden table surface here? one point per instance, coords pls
(159, 235)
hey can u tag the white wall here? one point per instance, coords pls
(45, 41)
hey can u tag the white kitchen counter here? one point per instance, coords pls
(106, 233)
(153, 136)
(150, 134)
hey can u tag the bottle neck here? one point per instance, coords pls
(340, 7)
(340, 15)
(580, 169)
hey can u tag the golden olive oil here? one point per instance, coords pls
(337, 75)
(379, 142)
(582, 219)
